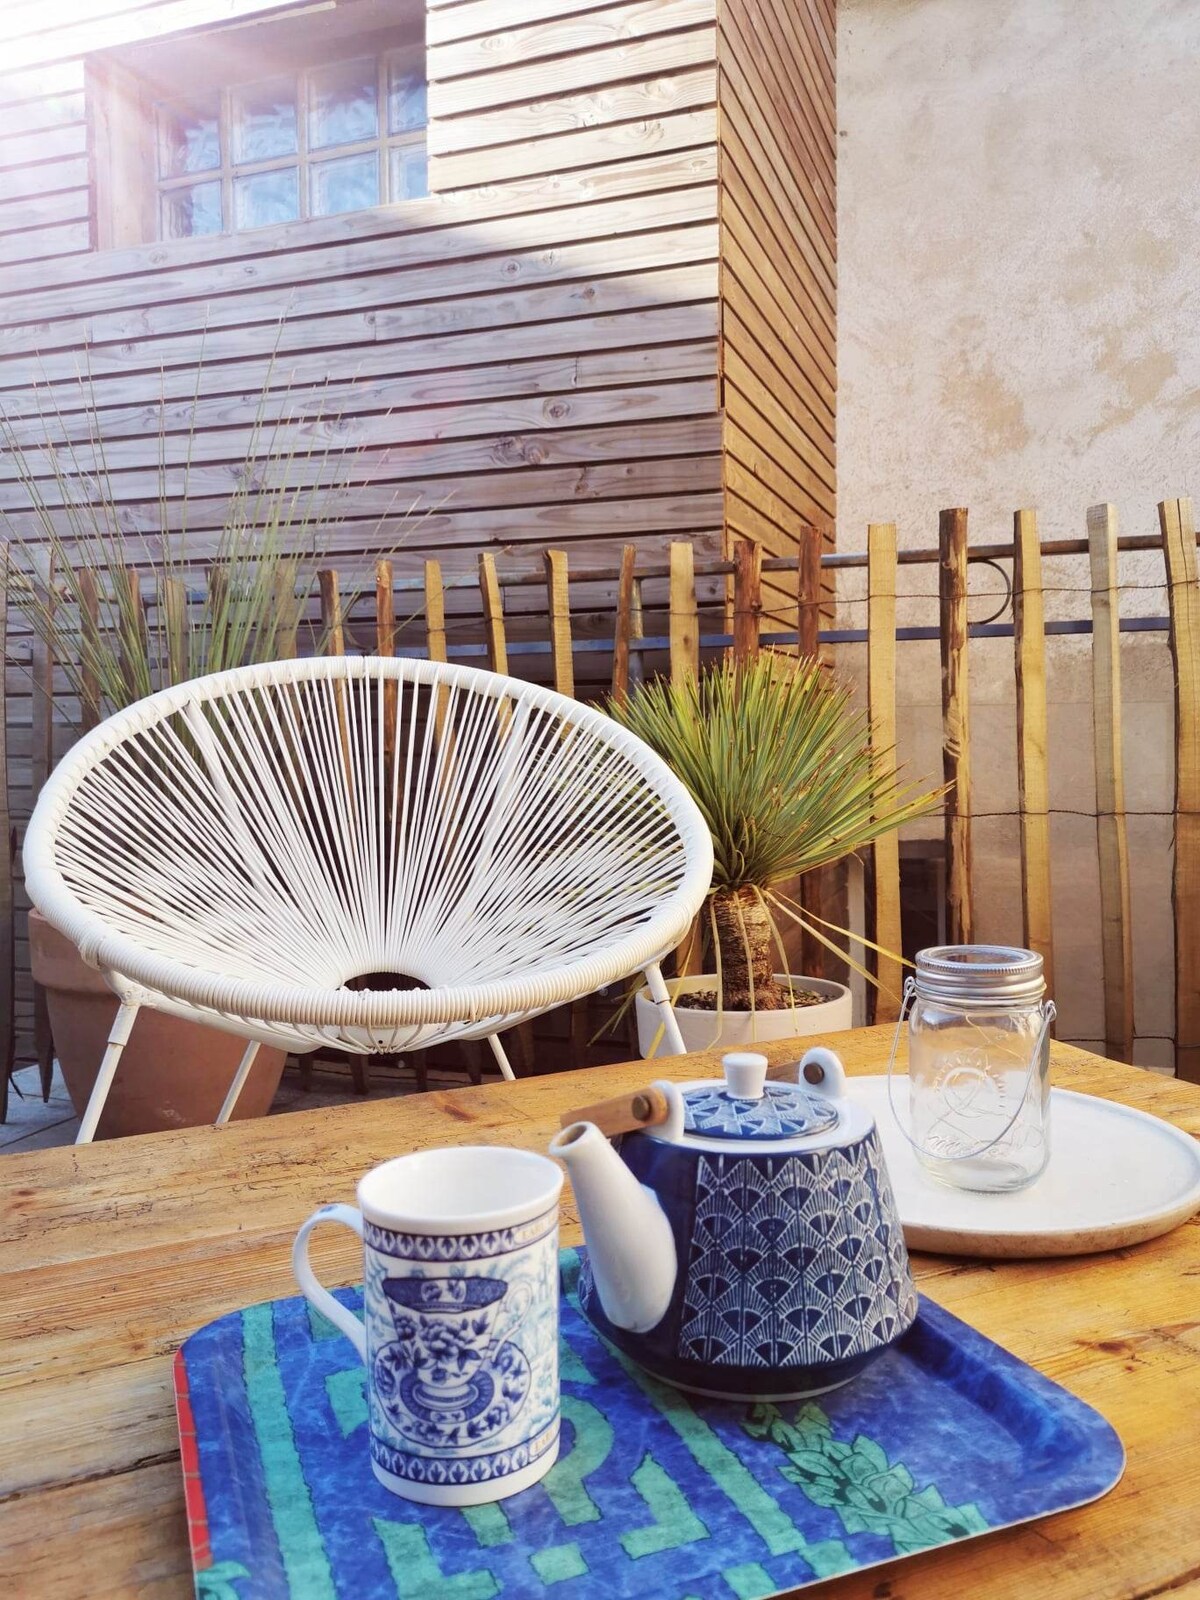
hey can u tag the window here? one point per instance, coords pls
(306, 117)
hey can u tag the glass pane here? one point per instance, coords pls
(410, 172)
(266, 197)
(342, 104)
(186, 213)
(350, 184)
(188, 139)
(264, 121)
(406, 99)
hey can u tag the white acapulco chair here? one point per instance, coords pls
(240, 848)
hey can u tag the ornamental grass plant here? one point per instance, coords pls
(81, 563)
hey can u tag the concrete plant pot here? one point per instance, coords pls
(702, 1030)
(172, 1073)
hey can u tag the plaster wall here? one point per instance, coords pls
(1019, 290)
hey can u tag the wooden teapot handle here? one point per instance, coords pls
(624, 1113)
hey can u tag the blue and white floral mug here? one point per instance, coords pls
(460, 1326)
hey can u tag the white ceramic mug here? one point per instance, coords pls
(460, 1330)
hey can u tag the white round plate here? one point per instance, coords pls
(1115, 1177)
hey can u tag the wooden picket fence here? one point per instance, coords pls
(669, 615)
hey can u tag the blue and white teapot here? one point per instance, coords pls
(748, 1246)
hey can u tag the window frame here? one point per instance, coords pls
(303, 159)
(124, 139)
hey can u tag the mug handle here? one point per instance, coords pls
(315, 1293)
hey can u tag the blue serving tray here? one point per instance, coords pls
(656, 1494)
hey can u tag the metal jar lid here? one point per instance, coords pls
(980, 974)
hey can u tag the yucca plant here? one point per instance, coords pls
(780, 763)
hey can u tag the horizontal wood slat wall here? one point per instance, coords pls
(573, 169)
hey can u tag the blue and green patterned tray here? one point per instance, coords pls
(656, 1494)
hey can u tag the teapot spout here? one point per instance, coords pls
(629, 1239)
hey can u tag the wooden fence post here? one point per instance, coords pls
(627, 624)
(684, 627)
(493, 613)
(497, 649)
(747, 599)
(1112, 844)
(385, 645)
(287, 613)
(558, 603)
(956, 729)
(808, 591)
(8, 960)
(881, 709)
(333, 632)
(89, 636)
(808, 643)
(1033, 783)
(435, 612)
(173, 600)
(332, 626)
(1183, 596)
(43, 765)
(684, 634)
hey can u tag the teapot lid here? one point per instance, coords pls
(746, 1107)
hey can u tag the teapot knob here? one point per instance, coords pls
(745, 1074)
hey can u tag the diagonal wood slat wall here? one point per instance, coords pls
(775, 63)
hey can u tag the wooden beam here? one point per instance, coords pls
(1033, 782)
(559, 607)
(1116, 940)
(881, 709)
(684, 622)
(1183, 595)
(747, 598)
(956, 730)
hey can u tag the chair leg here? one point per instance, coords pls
(658, 993)
(502, 1059)
(239, 1082)
(117, 1040)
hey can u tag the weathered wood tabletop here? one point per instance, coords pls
(111, 1254)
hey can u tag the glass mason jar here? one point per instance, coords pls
(979, 1065)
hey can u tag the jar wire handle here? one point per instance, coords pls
(1049, 1012)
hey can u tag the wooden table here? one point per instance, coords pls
(111, 1254)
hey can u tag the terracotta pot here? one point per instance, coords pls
(172, 1073)
(700, 1030)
